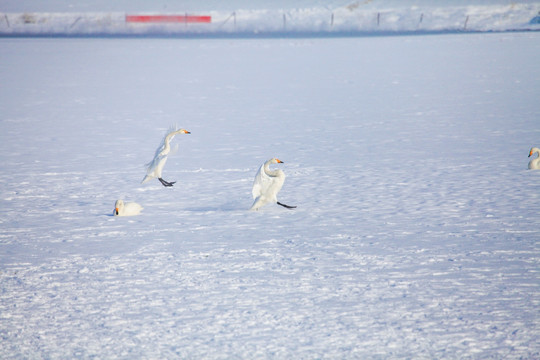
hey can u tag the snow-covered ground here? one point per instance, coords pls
(251, 18)
(417, 230)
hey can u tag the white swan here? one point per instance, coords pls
(534, 164)
(126, 209)
(267, 184)
(155, 167)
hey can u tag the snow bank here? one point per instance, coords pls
(352, 19)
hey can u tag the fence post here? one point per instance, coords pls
(75, 22)
(233, 15)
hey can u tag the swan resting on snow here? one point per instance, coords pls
(126, 209)
(155, 167)
(534, 164)
(267, 184)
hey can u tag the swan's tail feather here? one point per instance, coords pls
(148, 165)
(146, 179)
(257, 203)
(286, 206)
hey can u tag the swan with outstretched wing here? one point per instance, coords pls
(154, 168)
(267, 185)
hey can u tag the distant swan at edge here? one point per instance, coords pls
(155, 167)
(534, 164)
(126, 209)
(267, 185)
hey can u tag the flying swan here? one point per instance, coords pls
(534, 164)
(267, 184)
(155, 167)
(126, 209)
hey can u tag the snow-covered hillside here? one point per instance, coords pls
(350, 19)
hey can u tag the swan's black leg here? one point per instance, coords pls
(286, 206)
(166, 183)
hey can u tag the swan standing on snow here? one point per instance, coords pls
(534, 164)
(267, 184)
(126, 209)
(155, 167)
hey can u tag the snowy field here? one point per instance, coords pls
(417, 231)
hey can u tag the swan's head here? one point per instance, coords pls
(534, 150)
(276, 161)
(174, 132)
(118, 206)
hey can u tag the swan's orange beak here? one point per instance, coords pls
(530, 153)
(279, 161)
(186, 132)
(116, 211)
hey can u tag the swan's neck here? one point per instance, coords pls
(167, 142)
(269, 172)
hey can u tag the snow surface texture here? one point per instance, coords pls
(345, 18)
(416, 234)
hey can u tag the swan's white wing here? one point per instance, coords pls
(276, 185)
(132, 208)
(161, 146)
(261, 184)
(153, 165)
(154, 168)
